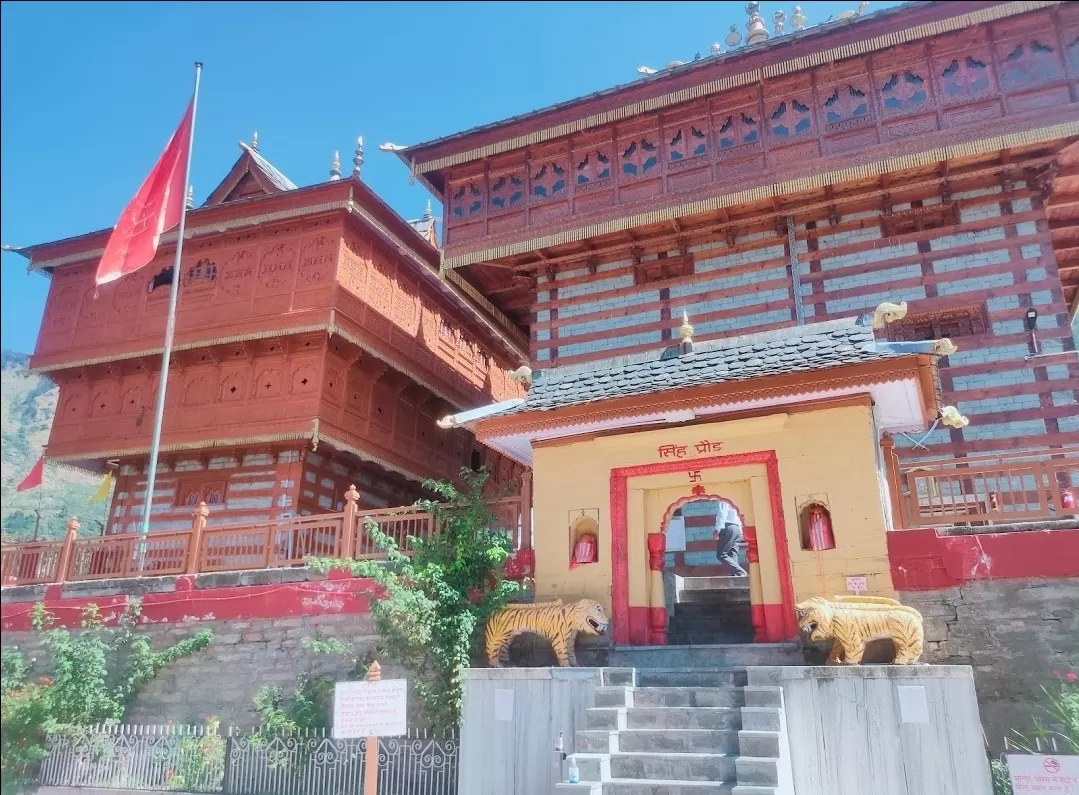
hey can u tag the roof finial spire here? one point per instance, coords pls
(335, 166)
(357, 160)
(756, 32)
(685, 333)
(190, 202)
(255, 140)
(427, 214)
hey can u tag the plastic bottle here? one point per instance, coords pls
(574, 772)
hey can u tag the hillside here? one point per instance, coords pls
(26, 411)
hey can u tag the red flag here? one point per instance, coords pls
(156, 208)
(33, 480)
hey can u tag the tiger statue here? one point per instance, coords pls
(852, 621)
(554, 621)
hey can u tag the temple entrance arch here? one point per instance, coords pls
(707, 599)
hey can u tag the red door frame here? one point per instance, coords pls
(620, 532)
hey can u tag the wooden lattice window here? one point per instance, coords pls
(920, 219)
(664, 268)
(963, 321)
(191, 493)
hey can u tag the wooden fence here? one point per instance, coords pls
(264, 545)
(988, 490)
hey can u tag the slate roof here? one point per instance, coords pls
(268, 169)
(814, 347)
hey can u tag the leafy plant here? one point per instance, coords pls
(310, 704)
(94, 674)
(1056, 721)
(201, 766)
(438, 597)
(1056, 727)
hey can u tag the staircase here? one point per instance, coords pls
(711, 610)
(681, 731)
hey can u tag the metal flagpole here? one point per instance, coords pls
(170, 326)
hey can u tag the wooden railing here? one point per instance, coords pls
(981, 490)
(264, 545)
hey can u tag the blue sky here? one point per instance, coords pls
(89, 92)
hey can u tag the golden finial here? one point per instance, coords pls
(255, 141)
(357, 160)
(755, 30)
(685, 331)
(335, 167)
(779, 18)
(427, 214)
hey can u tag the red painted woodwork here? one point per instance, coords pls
(925, 560)
(349, 596)
(625, 626)
(657, 546)
(910, 98)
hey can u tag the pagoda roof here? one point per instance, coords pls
(816, 44)
(252, 167)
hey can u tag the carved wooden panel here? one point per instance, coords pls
(896, 101)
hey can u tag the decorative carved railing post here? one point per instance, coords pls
(526, 509)
(348, 524)
(370, 762)
(891, 472)
(68, 549)
(194, 549)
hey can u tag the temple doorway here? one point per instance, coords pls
(708, 600)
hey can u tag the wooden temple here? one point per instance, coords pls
(317, 344)
(828, 272)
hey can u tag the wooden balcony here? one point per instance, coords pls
(987, 490)
(268, 545)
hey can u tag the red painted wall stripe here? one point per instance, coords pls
(922, 560)
(335, 596)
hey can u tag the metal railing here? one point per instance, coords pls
(204, 759)
(991, 489)
(262, 545)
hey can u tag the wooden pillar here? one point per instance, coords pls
(194, 547)
(370, 762)
(348, 522)
(891, 470)
(526, 509)
(68, 549)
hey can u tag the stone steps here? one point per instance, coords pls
(662, 718)
(634, 787)
(688, 741)
(682, 730)
(690, 696)
(655, 766)
(707, 656)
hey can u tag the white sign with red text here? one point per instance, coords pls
(1048, 774)
(370, 709)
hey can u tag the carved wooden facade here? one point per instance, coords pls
(308, 320)
(907, 156)
(779, 125)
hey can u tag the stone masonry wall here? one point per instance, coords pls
(222, 680)
(1014, 633)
